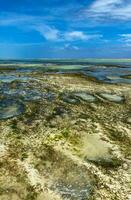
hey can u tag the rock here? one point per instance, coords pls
(71, 100)
(113, 77)
(112, 97)
(85, 96)
(111, 162)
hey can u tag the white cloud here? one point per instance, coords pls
(104, 5)
(109, 9)
(29, 23)
(75, 35)
(79, 35)
(54, 34)
(48, 32)
(70, 47)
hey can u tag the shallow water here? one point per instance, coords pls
(109, 74)
(10, 78)
(10, 108)
(109, 71)
(94, 148)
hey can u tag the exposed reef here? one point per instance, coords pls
(63, 136)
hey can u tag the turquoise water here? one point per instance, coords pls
(106, 70)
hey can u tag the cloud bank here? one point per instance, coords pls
(109, 9)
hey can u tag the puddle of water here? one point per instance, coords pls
(66, 178)
(32, 95)
(10, 108)
(14, 92)
(21, 90)
(109, 74)
(127, 76)
(72, 182)
(28, 95)
(11, 78)
(95, 150)
(72, 192)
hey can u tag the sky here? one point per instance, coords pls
(65, 29)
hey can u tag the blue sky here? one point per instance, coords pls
(65, 29)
